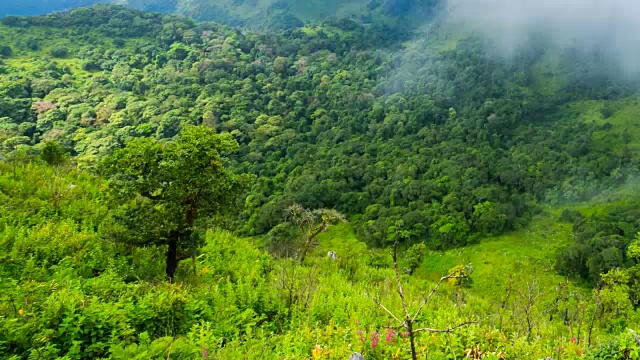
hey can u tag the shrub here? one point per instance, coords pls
(59, 52)
(6, 50)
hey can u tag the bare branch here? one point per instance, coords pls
(433, 291)
(447, 330)
(395, 267)
(387, 310)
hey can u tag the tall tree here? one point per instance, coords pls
(167, 187)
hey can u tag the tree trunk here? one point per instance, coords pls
(412, 342)
(172, 259)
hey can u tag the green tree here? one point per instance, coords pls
(53, 153)
(415, 255)
(170, 187)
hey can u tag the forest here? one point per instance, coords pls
(174, 188)
(253, 14)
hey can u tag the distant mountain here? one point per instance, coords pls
(290, 13)
(36, 7)
(265, 14)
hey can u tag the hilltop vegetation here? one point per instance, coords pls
(433, 143)
(263, 15)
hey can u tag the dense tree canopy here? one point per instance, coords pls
(454, 143)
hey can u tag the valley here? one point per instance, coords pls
(179, 189)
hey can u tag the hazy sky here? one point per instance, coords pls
(612, 25)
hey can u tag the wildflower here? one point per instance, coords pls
(390, 336)
(405, 334)
(375, 339)
(317, 351)
(205, 353)
(20, 312)
(573, 339)
(357, 322)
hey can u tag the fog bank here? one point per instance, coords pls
(611, 27)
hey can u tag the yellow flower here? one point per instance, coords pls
(20, 312)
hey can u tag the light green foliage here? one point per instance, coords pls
(415, 256)
(69, 290)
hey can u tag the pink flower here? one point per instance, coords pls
(357, 322)
(405, 334)
(375, 339)
(390, 336)
(205, 353)
(359, 332)
(573, 339)
(43, 106)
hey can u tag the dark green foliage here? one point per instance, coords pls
(601, 243)
(53, 153)
(33, 44)
(607, 112)
(5, 50)
(60, 52)
(451, 145)
(570, 216)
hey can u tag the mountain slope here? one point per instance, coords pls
(453, 143)
(263, 14)
(518, 171)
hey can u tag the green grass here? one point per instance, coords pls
(624, 121)
(531, 250)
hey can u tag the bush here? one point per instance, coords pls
(625, 346)
(6, 50)
(60, 52)
(33, 44)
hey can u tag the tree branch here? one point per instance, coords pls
(433, 291)
(447, 330)
(387, 310)
(395, 267)
(321, 229)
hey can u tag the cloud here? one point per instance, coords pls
(608, 26)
